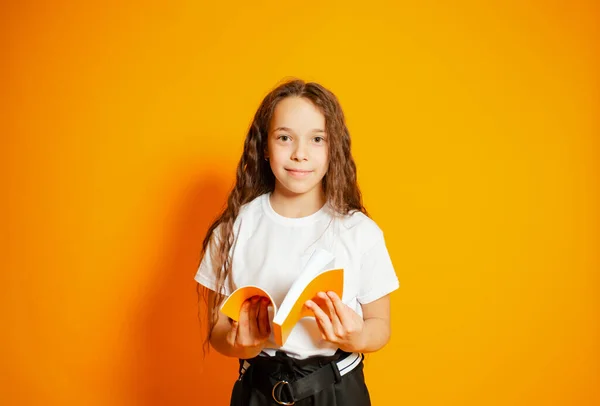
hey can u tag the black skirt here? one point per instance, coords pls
(282, 380)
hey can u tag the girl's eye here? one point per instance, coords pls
(283, 137)
(319, 140)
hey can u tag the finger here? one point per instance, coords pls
(263, 318)
(243, 330)
(323, 335)
(322, 302)
(267, 317)
(259, 317)
(337, 325)
(341, 309)
(322, 320)
(232, 335)
(252, 316)
(308, 304)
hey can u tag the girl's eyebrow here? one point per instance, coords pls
(316, 130)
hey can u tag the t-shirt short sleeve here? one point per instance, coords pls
(378, 277)
(205, 275)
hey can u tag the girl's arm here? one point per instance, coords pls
(348, 329)
(376, 330)
(247, 337)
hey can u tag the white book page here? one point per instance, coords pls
(320, 261)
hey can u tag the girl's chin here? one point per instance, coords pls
(289, 188)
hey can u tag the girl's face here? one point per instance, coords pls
(297, 147)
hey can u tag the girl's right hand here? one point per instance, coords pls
(252, 331)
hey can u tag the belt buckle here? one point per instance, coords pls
(275, 397)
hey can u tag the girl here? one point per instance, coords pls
(295, 193)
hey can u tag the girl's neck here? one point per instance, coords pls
(293, 205)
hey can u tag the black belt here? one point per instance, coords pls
(288, 391)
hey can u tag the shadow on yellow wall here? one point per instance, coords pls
(169, 366)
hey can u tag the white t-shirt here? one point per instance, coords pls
(270, 251)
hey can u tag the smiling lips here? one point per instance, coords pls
(299, 173)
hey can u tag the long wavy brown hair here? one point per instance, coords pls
(254, 178)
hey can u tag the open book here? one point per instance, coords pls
(317, 276)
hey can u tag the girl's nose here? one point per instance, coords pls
(300, 153)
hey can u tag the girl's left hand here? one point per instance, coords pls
(343, 326)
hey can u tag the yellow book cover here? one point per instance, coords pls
(316, 277)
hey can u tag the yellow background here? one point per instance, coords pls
(476, 133)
